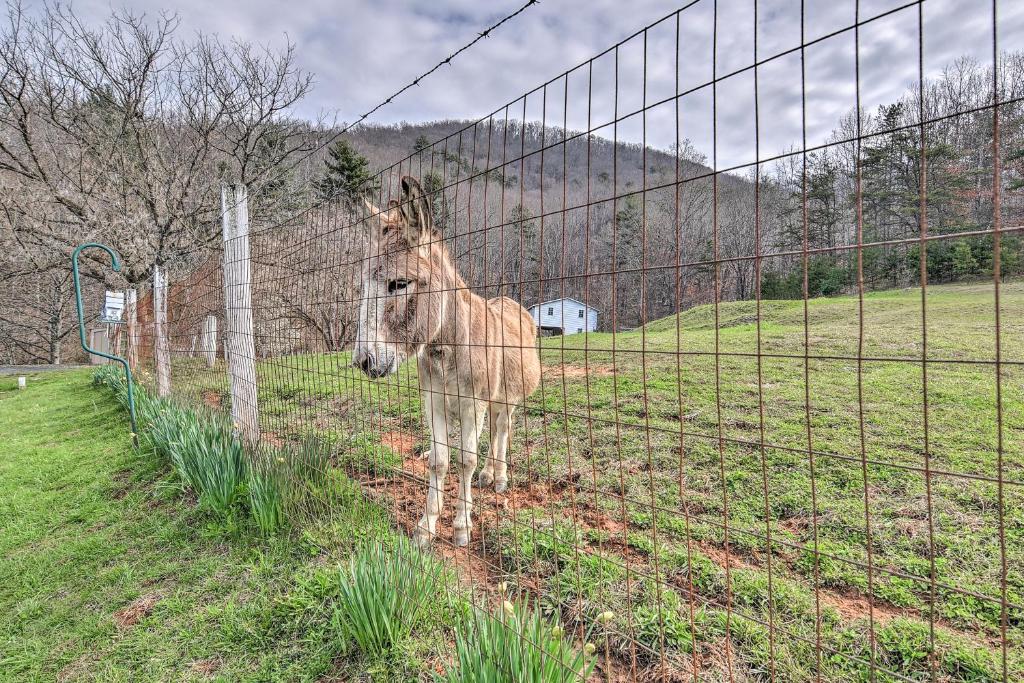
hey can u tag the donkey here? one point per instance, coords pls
(475, 356)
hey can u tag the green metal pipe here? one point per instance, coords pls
(116, 265)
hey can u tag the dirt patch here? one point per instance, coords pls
(122, 484)
(136, 611)
(336, 408)
(77, 670)
(271, 439)
(532, 495)
(212, 399)
(722, 558)
(402, 443)
(205, 668)
(572, 371)
(852, 607)
(603, 522)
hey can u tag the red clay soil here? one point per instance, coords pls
(402, 443)
(478, 566)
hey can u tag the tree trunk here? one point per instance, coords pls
(162, 351)
(56, 320)
(132, 328)
(210, 340)
(239, 345)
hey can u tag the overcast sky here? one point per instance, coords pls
(362, 50)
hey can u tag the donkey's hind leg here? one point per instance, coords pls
(496, 468)
(487, 472)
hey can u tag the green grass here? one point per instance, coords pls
(92, 533)
(612, 431)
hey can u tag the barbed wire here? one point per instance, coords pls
(388, 100)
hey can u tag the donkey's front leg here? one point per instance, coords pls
(437, 422)
(471, 418)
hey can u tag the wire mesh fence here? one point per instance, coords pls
(749, 395)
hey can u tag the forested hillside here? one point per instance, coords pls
(135, 157)
(803, 202)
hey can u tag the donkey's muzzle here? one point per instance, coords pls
(372, 366)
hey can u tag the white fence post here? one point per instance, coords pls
(210, 340)
(239, 346)
(132, 328)
(162, 349)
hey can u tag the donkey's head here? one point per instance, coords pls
(407, 279)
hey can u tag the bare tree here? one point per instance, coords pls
(123, 134)
(130, 132)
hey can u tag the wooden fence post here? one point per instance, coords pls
(239, 346)
(132, 328)
(162, 349)
(210, 340)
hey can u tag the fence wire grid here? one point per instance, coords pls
(778, 427)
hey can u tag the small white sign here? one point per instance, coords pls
(113, 307)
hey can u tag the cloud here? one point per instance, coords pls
(361, 51)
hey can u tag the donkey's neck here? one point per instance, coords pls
(460, 305)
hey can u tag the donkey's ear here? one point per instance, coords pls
(371, 208)
(393, 214)
(415, 208)
(388, 215)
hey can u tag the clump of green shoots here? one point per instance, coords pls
(516, 643)
(266, 502)
(385, 593)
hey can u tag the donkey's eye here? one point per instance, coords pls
(396, 285)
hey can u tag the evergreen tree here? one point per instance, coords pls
(1014, 159)
(433, 186)
(522, 253)
(347, 174)
(420, 144)
(963, 262)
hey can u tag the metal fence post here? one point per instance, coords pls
(239, 346)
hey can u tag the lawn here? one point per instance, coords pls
(729, 504)
(109, 572)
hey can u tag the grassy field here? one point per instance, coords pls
(730, 506)
(109, 572)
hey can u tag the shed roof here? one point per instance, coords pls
(564, 298)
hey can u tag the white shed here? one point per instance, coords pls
(564, 316)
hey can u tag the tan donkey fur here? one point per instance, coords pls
(475, 356)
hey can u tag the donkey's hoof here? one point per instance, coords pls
(500, 485)
(461, 537)
(485, 479)
(422, 538)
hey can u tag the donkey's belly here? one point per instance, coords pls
(440, 372)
